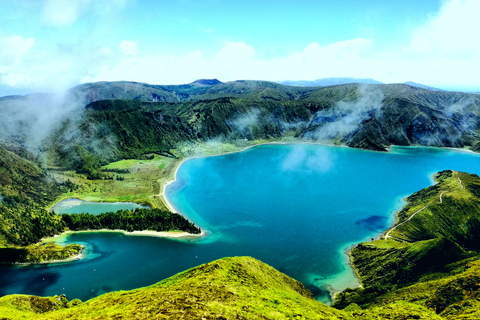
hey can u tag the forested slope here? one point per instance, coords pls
(24, 191)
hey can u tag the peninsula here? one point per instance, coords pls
(125, 139)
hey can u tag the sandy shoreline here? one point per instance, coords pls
(59, 238)
(150, 233)
(146, 233)
(333, 287)
(181, 161)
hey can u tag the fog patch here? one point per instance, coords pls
(40, 122)
(301, 159)
(29, 120)
(464, 113)
(345, 116)
(244, 124)
(293, 126)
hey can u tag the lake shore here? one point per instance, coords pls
(74, 258)
(348, 278)
(60, 239)
(161, 234)
(163, 186)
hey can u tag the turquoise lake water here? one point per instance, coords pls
(295, 207)
(79, 206)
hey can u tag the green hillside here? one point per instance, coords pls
(430, 256)
(425, 267)
(456, 217)
(25, 193)
(402, 277)
(245, 288)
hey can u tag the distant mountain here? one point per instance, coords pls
(418, 278)
(419, 85)
(328, 82)
(205, 89)
(114, 120)
(206, 82)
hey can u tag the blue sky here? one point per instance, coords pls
(50, 45)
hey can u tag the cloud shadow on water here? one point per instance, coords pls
(36, 285)
(39, 284)
(373, 223)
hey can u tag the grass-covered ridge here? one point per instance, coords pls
(430, 256)
(450, 209)
(230, 288)
(245, 288)
(434, 277)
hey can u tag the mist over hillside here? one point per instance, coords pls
(106, 121)
(94, 124)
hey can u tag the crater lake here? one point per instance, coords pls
(297, 207)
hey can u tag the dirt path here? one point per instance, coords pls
(387, 235)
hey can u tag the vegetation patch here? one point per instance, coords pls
(138, 220)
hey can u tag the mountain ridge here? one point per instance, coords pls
(329, 82)
(133, 125)
(366, 116)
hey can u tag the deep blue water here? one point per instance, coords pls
(295, 207)
(80, 206)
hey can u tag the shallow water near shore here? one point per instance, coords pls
(295, 207)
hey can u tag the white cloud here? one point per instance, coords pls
(339, 59)
(128, 47)
(24, 64)
(60, 13)
(314, 160)
(450, 33)
(13, 48)
(442, 51)
(234, 61)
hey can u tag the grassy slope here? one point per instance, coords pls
(421, 279)
(428, 268)
(230, 288)
(456, 218)
(142, 184)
